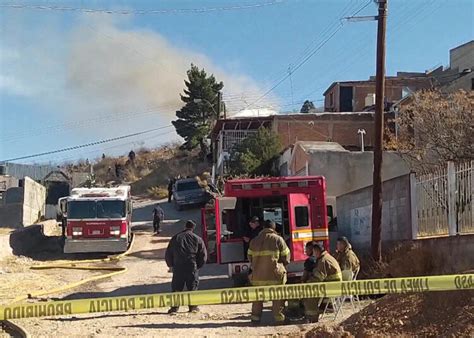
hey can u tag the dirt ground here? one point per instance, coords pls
(147, 273)
(434, 314)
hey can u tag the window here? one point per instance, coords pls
(96, 209)
(82, 210)
(302, 216)
(191, 185)
(110, 209)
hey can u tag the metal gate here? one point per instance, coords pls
(444, 201)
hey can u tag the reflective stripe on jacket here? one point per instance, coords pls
(268, 255)
(327, 269)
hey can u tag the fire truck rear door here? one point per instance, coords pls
(300, 225)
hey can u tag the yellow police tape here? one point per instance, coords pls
(240, 295)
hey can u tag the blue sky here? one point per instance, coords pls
(68, 78)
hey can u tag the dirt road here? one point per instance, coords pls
(147, 273)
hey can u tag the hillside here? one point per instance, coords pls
(149, 170)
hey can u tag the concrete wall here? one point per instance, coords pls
(349, 171)
(23, 206)
(355, 208)
(34, 201)
(462, 57)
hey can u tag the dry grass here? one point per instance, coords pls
(158, 192)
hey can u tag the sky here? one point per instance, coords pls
(69, 76)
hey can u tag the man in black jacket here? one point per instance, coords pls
(186, 254)
(251, 232)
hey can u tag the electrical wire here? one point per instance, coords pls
(143, 11)
(86, 144)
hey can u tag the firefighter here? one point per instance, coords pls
(346, 257)
(251, 232)
(185, 254)
(295, 307)
(327, 270)
(268, 255)
(158, 217)
(309, 263)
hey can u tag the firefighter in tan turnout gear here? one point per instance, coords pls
(268, 255)
(346, 257)
(327, 270)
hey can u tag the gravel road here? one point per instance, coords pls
(147, 273)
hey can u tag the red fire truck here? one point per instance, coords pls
(296, 204)
(97, 219)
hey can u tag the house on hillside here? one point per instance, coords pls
(459, 74)
(356, 96)
(323, 127)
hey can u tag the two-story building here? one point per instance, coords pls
(342, 128)
(355, 96)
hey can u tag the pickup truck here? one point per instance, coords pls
(188, 192)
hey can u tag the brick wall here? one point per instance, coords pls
(393, 91)
(340, 128)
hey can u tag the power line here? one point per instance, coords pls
(86, 144)
(306, 58)
(143, 11)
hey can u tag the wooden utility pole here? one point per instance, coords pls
(379, 128)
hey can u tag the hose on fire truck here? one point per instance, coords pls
(87, 264)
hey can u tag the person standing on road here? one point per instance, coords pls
(327, 270)
(346, 257)
(185, 254)
(251, 232)
(170, 189)
(158, 217)
(268, 255)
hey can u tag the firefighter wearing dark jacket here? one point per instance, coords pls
(185, 254)
(268, 255)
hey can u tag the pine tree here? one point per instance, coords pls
(307, 106)
(196, 117)
(256, 153)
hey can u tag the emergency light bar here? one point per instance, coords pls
(274, 185)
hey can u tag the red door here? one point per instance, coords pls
(299, 211)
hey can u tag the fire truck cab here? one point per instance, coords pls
(97, 219)
(296, 204)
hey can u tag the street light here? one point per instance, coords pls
(362, 133)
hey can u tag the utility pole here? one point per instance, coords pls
(219, 105)
(377, 201)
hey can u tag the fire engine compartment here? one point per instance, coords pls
(296, 205)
